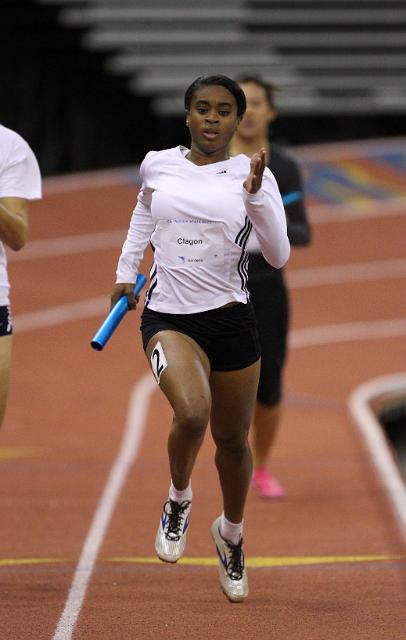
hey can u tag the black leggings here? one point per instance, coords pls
(6, 325)
(269, 297)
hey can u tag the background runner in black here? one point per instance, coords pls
(266, 284)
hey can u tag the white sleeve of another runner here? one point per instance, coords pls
(21, 177)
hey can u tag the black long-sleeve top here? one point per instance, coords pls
(289, 180)
(287, 175)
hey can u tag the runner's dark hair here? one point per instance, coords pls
(268, 87)
(223, 81)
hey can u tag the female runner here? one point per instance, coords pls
(197, 207)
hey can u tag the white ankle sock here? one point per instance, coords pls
(230, 531)
(180, 496)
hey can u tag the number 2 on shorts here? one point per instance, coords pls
(158, 361)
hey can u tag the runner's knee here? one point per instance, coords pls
(235, 444)
(192, 420)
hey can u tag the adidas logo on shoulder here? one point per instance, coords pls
(220, 172)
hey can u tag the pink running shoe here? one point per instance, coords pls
(266, 485)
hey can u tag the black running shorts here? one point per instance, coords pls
(6, 325)
(228, 335)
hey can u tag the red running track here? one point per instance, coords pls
(330, 559)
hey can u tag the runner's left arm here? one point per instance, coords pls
(264, 207)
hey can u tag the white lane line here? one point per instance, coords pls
(69, 312)
(68, 245)
(297, 278)
(91, 180)
(392, 207)
(376, 443)
(298, 338)
(358, 149)
(130, 443)
(320, 213)
(347, 332)
(351, 272)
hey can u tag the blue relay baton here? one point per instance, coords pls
(115, 316)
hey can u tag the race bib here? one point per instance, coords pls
(190, 244)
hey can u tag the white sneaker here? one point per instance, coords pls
(170, 541)
(232, 575)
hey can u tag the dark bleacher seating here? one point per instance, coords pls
(341, 56)
(99, 82)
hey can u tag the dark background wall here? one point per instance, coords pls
(77, 117)
(60, 99)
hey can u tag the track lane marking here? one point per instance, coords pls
(18, 453)
(69, 245)
(298, 338)
(61, 314)
(346, 332)
(128, 176)
(253, 562)
(297, 278)
(346, 273)
(264, 561)
(129, 447)
(342, 213)
(375, 440)
(14, 562)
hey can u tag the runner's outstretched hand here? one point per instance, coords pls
(254, 180)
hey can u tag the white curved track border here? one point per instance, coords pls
(373, 436)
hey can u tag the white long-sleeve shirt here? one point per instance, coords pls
(198, 219)
(19, 178)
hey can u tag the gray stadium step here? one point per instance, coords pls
(347, 60)
(115, 38)
(128, 63)
(153, 81)
(126, 15)
(328, 55)
(333, 39)
(300, 101)
(327, 16)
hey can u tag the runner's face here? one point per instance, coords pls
(212, 120)
(259, 113)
